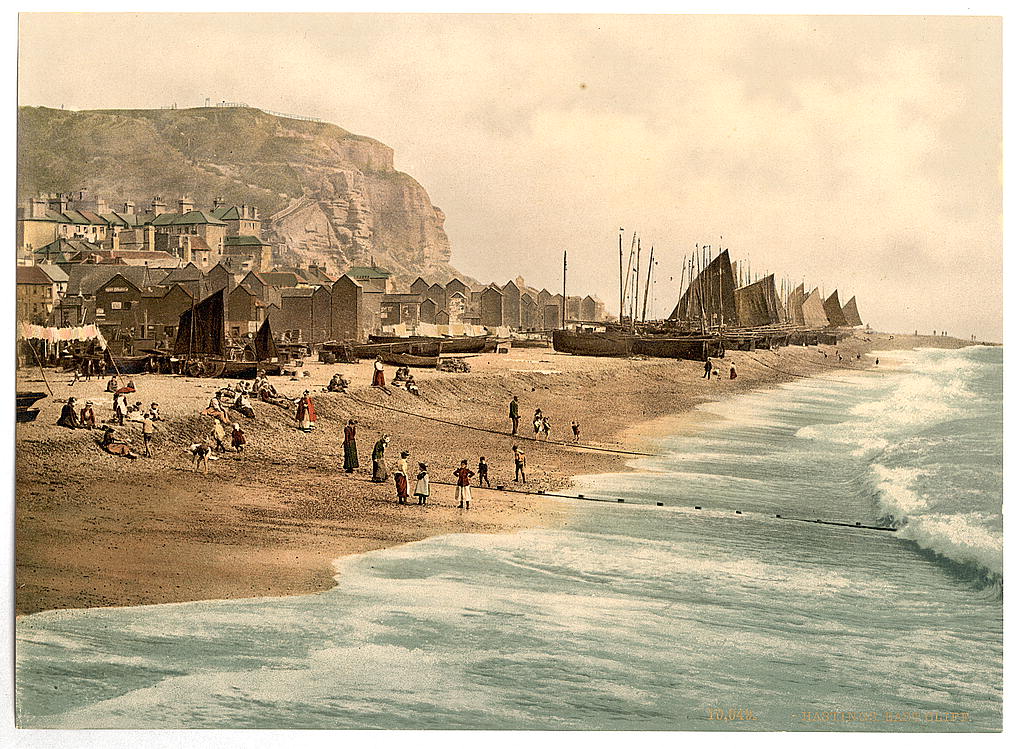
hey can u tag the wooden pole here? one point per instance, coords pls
(647, 286)
(40, 363)
(565, 272)
(620, 275)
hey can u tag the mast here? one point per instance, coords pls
(647, 286)
(679, 300)
(565, 272)
(620, 275)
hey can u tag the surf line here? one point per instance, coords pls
(816, 378)
(621, 501)
(571, 445)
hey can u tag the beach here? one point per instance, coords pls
(97, 530)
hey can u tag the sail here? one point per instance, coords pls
(851, 313)
(794, 305)
(834, 311)
(711, 296)
(813, 312)
(758, 303)
(202, 333)
(266, 348)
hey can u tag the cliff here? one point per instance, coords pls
(325, 194)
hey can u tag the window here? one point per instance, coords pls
(115, 305)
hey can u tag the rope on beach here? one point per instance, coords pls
(619, 500)
(572, 445)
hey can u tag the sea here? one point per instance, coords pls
(746, 614)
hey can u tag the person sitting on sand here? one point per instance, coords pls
(338, 384)
(401, 375)
(463, 491)
(112, 384)
(422, 484)
(154, 412)
(243, 406)
(87, 418)
(135, 411)
(200, 452)
(237, 438)
(68, 415)
(411, 386)
(115, 446)
(378, 374)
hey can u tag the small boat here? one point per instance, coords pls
(592, 343)
(476, 344)
(24, 401)
(530, 343)
(693, 348)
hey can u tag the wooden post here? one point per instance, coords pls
(565, 272)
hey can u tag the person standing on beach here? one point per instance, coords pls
(545, 427)
(520, 460)
(378, 458)
(538, 423)
(708, 366)
(402, 487)
(422, 484)
(733, 374)
(378, 375)
(463, 492)
(575, 425)
(219, 436)
(351, 454)
(237, 438)
(306, 412)
(148, 430)
(481, 472)
(513, 413)
(403, 467)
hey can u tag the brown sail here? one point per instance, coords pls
(813, 312)
(794, 305)
(266, 347)
(711, 296)
(758, 303)
(201, 329)
(834, 311)
(851, 313)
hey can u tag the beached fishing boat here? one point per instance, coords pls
(202, 349)
(409, 360)
(693, 348)
(592, 343)
(476, 344)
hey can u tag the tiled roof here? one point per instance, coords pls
(32, 274)
(244, 240)
(55, 273)
(363, 271)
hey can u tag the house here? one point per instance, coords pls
(396, 309)
(528, 311)
(455, 286)
(118, 302)
(347, 317)
(240, 220)
(244, 311)
(34, 294)
(419, 286)
(491, 306)
(306, 314)
(510, 308)
(59, 278)
(219, 277)
(456, 307)
(247, 247)
(371, 278)
(428, 311)
(162, 307)
(436, 293)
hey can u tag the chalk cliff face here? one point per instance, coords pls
(326, 195)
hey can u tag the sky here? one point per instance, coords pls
(862, 153)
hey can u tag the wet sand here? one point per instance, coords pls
(96, 530)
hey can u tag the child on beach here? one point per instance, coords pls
(200, 454)
(422, 484)
(538, 422)
(575, 431)
(481, 472)
(545, 427)
(463, 493)
(520, 460)
(237, 438)
(402, 487)
(148, 429)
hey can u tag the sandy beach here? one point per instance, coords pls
(96, 530)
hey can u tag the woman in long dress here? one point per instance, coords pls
(379, 472)
(351, 454)
(378, 374)
(306, 413)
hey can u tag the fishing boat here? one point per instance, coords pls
(476, 344)
(593, 343)
(202, 349)
(693, 348)
(410, 360)
(24, 401)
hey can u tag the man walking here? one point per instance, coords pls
(708, 366)
(513, 413)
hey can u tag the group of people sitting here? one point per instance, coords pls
(338, 384)
(403, 378)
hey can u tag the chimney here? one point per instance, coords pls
(218, 203)
(185, 205)
(101, 206)
(59, 202)
(115, 239)
(129, 208)
(186, 253)
(37, 208)
(149, 243)
(158, 206)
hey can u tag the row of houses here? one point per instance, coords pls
(60, 229)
